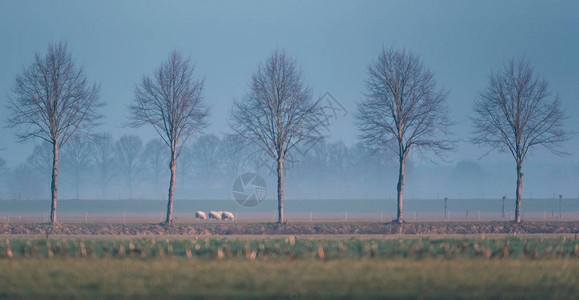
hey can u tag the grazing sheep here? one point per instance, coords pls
(227, 216)
(215, 215)
(201, 215)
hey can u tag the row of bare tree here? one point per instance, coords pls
(404, 109)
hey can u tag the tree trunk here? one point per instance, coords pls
(400, 187)
(280, 190)
(519, 192)
(54, 183)
(172, 166)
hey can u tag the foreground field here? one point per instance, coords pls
(292, 247)
(289, 268)
(298, 228)
(288, 279)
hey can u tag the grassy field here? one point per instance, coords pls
(289, 268)
(291, 247)
(297, 228)
(289, 279)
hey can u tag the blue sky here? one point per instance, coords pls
(117, 42)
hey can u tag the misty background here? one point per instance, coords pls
(118, 42)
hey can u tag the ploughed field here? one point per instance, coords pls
(289, 267)
(234, 228)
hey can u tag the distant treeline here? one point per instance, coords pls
(104, 168)
(129, 167)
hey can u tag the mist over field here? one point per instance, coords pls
(329, 178)
(333, 46)
(324, 171)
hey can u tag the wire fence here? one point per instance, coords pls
(311, 216)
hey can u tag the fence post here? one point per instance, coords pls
(560, 200)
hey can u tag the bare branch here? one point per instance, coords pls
(277, 113)
(52, 99)
(515, 112)
(103, 155)
(403, 108)
(127, 151)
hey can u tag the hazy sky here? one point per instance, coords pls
(462, 41)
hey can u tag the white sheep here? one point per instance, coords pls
(227, 216)
(215, 215)
(200, 215)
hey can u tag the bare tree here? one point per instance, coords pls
(233, 156)
(185, 171)
(172, 102)
(127, 151)
(205, 158)
(337, 159)
(24, 183)
(366, 167)
(53, 101)
(403, 110)
(277, 113)
(517, 112)
(103, 155)
(154, 158)
(41, 160)
(77, 162)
